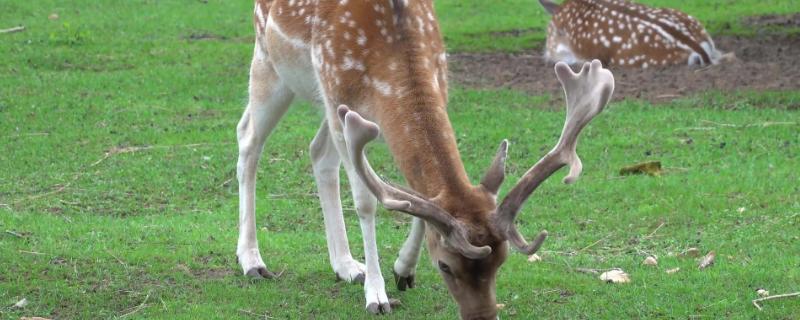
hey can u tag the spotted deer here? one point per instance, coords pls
(382, 63)
(623, 33)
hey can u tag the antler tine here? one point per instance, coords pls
(587, 93)
(357, 133)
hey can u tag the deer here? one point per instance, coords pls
(627, 34)
(379, 68)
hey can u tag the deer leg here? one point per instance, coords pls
(377, 301)
(326, 163)
(405, 266)
(269, 99)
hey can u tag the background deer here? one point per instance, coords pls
(385, 61)
(623, 33)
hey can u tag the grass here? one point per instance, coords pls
(117, 154)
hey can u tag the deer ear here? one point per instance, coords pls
(550, 6)
(497, 171)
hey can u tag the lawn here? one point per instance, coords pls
(118, 192)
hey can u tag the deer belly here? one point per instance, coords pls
(291, 59)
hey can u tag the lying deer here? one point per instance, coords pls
(623, 33)
(385, 61)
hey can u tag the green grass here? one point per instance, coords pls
(117, 154)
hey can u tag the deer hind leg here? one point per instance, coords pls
(269, 99)
(326, 163)
(366, 206)
(405, 266)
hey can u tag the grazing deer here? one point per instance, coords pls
(385, 61)
(623, 33)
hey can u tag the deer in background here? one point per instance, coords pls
(371, 63)
(623, 33)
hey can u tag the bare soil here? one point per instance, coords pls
(763, 63)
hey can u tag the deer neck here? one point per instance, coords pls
(424, 147)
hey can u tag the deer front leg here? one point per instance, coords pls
(377, 302)
(326, 163)
(269, 98)
(405, 266)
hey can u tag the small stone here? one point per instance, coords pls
(534, 258)
(762, 293)
(615, 276)
(707, 261)
(673, 270)
(21, 304)
(691, 252)
(650, 261)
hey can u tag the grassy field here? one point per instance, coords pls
(118, 193)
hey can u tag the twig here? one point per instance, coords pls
(113, 151)
(592, 245)
(587, 270)
(32, 252)
(255, 314)
(14, 234)
(124, 265)
(30, 134)
(137, 308)
(785, 295)
(12, 30)
(654, 231)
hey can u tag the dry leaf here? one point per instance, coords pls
(652, 168)
(615, 276)
(691, 252)
(534, 258)
(673, 270)
(650, 261)
(707, 260)
(21, 304)
(762, 293)
(53, 16)
(501, 306)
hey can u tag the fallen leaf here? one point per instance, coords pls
(673, 270)
(650, 261)
(707, 260)
(762, 293)
(615, 276)
(651, 168)
(691, 252)
(501, 306)
(21, 304)
(53, 16)
(534, 258)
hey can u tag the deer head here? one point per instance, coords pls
(468, 234)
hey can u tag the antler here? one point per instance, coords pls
(357, 133)
(587, 93)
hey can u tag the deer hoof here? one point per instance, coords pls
(382, 308)
(359, 278)
(404, 282)
(260, 273)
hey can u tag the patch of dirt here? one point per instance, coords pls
(774, 20)
(769, 63)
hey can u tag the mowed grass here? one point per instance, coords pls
(118, 192)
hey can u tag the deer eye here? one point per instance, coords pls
(445, 268)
